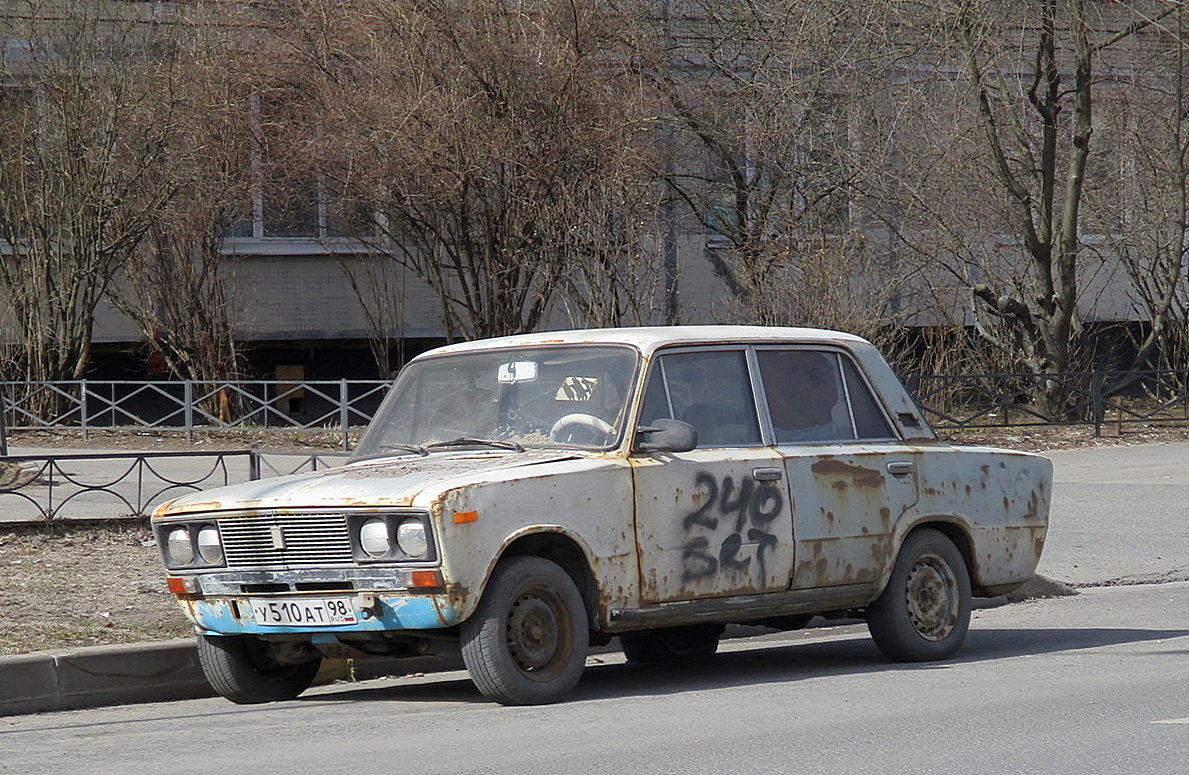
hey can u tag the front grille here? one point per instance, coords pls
(286, 540)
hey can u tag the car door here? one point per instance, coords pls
(849, 477)
(712, 521)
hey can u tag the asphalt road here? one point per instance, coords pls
(1089, 684)
(1120, 515)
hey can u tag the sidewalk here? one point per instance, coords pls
(1120, 515)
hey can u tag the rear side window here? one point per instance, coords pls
(818, 396)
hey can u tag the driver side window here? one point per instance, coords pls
(710, 390)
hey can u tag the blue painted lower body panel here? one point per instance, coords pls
(217, 616)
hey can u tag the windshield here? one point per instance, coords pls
(558, 396)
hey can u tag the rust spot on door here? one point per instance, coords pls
(859, 476)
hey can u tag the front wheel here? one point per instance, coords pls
(924, 612)
(526, 643)
(248, 670)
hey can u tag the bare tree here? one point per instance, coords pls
(1149, 179)
(381, 287)
(491, 140)
(86, 121)
(178, 287)
(770, 104)
(1036, 112)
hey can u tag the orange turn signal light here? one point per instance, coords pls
(179, 585)
(465, 516)
(427, 578)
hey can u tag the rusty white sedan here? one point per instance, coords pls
(523, 498)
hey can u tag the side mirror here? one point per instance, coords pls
(666, 435)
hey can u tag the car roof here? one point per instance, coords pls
(648, 339)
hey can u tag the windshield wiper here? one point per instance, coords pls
(466, 441)
(417, 448)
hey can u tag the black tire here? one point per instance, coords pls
(671, 643)
(243, 669)
(924, 612)
(526, 643)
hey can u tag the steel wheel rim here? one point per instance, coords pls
(932, 597)
(538, 634)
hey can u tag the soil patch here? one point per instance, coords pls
(83, 584)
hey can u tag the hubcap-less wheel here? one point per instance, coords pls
(245, 669)
(526, 642)
(924, 611)
(932, 596)
(534, 638)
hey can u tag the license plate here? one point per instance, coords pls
(303, 611)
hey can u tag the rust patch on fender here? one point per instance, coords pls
(859, 476)
(881, 553)
(169, 508)
(457, 593)
(1033, 512)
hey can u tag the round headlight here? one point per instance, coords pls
(210, 546)
(373, 537)
(411, 537)
(177, 543)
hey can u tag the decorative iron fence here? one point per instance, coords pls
(53, 486)
(48, 487)
(122, 484)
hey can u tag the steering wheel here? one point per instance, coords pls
(581, 428)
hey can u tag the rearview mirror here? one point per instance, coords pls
(666, 435)
(517, 371)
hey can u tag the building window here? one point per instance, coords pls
(294, 200)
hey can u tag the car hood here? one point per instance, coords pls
(379, 482)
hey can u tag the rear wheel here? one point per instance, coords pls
(249, 670)
(924, 612)
(526, 643)
(689, 643)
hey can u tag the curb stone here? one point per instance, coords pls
(95, 676)
(102, 675)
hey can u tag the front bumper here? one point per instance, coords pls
(218, 603)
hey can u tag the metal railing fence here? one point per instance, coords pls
(87, 405)
(339, 406)
(1089, 398)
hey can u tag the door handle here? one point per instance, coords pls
(767, 474)
(901, 467)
